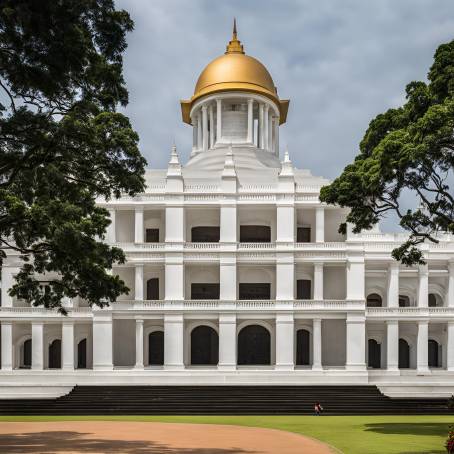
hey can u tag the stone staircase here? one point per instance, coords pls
(221, 400)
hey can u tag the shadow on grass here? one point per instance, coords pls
(65, 441)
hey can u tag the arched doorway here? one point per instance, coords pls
(404, 354)
(82, 354)
(153, 289)
(374, 300)
(254, 346)
(404, 301)
(156, 348)
(204, 346)
(26, 355)
(55, 354)
(374, 356)
(433, 353)
(303, 347)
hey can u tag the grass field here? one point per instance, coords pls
(350, 434)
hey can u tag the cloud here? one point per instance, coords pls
(340, 63)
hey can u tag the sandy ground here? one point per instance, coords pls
(88, 437)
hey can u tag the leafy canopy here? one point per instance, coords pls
(62, 145)
(408, 150)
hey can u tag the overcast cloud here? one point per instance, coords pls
(339, 62)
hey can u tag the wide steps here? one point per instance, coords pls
(228, 400)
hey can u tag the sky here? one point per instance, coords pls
(339, 62)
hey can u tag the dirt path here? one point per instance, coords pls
(89, 437)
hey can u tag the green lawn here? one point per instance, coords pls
(350, 434)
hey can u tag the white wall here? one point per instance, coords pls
(306, 218)
(207, 274)
(333, 218)
(334, 285)
(124, 342)
(124, 226)
(258, 274)
(198, 217)
(333, 343)
(257, 216)
(128, 276)
(150, 272)
(154, 219)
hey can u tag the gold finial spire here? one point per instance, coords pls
(234, 46)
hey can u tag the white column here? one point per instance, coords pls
(228, 224)
(37, 345)
(67, 343)
(356, 278)
(205, 127)
(266, 126)
(211, 126)
(102, 341)
(285, 276)
(174, 278)
(270, 131)
(317, 344)
(7, 345)
(285, 223)
(318, 281)
(450, 292)
(175, 224)
(218, 120)
(138, 282)
(7, 282)
(285, 334)
(227, 277)
(320, 224)
(138, 225)
(356, 342)
(393, 284)
(423, 286)
(227, 341)
(250, 120)
(194, 134)
(173, 341)
(450, 346)
(276, 137)
(392, 345)
(110, 233)
(261, 126)
(422, 352)
(199, 130)
(139, 344)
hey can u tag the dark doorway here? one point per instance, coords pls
(82, 354)
(204, 291)
(404, 354)
(205, 234)
(204, 346)
(27, 352)
(153, 289)
(374, 357)
(254, 291)
(55, 354)
(404, 301)
(254, 346)
(303, 235)
(303, 289)
(302, 347)
(152, 235)
(433, 300)
(374, 300)
(156, 348)
(255, 234)
(433, 353)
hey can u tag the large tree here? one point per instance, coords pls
(406, 154)
(62, 145)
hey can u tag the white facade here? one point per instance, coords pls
(297, 304)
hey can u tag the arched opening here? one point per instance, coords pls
(156, 348)
(204, 346)
(303, 347)
(404, 301)
(404, 354)
(153, 289)
(374, 356)
(82, 354)
(435, 300)
(374, 300)
(26, 355)
(254, 346)
(434, 353)
(55, 354)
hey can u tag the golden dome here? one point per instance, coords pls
(235, 71)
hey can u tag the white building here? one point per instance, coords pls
(238, 275)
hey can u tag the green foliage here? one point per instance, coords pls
(62, 145)
(406, 149)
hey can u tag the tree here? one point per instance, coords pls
(62, 145)
(406, 151)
